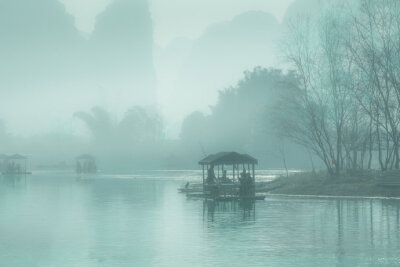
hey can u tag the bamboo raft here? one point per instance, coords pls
(225, 193)
(221, 187)
(224, 197)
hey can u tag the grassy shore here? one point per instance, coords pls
(321, 184)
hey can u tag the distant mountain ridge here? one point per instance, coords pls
(302, 8)
(122, 46)
(218, 58)
(198, 69)
(41, 44)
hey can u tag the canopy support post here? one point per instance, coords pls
(233, 169)
(203, 175)
(254, 173)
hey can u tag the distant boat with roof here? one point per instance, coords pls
(14, 164)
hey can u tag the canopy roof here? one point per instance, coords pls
(86, 157)
(16, 156)
(228, 158)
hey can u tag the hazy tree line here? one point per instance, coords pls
(243, 120)
(346, 105)
(138, 125)
(129, 141)
(340, 102)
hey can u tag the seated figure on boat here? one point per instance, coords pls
(246, 184)
(243, 174)
(211, 175)
(224, 179)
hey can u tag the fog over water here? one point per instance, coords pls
(144, 85)
(125, 62)
(69, 66)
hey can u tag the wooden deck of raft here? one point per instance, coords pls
(224, 197)
(227, 192)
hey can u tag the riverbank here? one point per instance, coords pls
(321, 184)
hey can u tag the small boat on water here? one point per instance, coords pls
(14, 165)
(191, 188)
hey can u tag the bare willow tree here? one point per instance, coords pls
(320, 113)
(374, 47)
(347, 106)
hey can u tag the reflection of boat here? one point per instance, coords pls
(244, 208)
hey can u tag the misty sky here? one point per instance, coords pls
(169, 15)
(133, 54)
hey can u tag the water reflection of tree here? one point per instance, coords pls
(374, 223)
(244, 208)
(391, 211)
(340, 247)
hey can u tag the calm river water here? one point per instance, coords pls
(57, 219)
